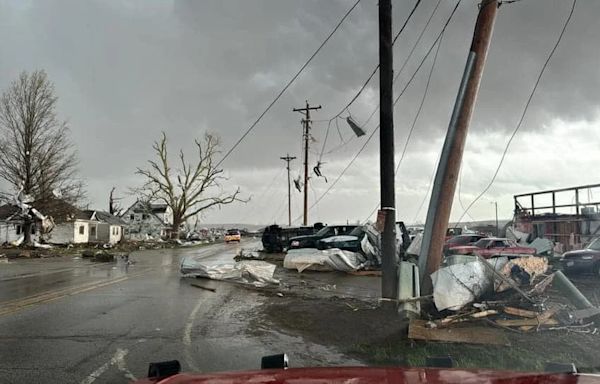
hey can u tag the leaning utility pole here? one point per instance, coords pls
(287, 159)
(306, 135)
(389, 260)
(446, 176)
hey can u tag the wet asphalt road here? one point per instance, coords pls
(68, 320)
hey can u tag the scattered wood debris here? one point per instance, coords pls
(203, 287)
(418, 330)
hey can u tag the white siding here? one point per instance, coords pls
(103, 234)
(79, 235)
(61, 234)
(116, 233)
(8, 233)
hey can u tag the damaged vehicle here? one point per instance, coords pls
(276, 239)
(349, 242)
(584, 260)
(493, 246)
(310, 241)
(461, 240)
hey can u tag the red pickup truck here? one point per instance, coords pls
(493, 246)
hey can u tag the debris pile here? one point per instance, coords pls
(255, 272)
(520, 295)
(333, 259)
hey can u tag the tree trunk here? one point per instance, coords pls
(175, 228)
(27, 232)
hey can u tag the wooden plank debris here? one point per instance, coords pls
(520, 312)
(365, 273)
(203, 287)
(525, 322)
(417, 330)
(482, 314)
(540, 287)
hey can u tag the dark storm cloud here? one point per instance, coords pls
(124, 71)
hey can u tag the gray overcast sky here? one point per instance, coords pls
(126, 70)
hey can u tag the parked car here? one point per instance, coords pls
(349, 242)
(310, 241)
(583, 260)
(451, 232)
(277, 239)
(493, 246)
(233, 235)
(460, 240)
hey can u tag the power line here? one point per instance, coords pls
(369, 78)
(460, 193)
(417, 41)
(263, 193)
(521, 119)
(416, 118)
(418, 114)
(429, 187)
(377, 66)
(424, 58)
(395, 102)
(288, 84)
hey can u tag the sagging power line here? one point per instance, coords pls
(289, 83)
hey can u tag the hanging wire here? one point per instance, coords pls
(416, 118)
(395, 102)
(362, 88)
(409, 56)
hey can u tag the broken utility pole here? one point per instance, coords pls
(287, 159)
(389, 267)
(444, 185)
(306, 135)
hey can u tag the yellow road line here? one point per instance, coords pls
(12, 306)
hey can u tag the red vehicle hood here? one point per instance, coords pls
(464, 248)
(367, 375)
(493, 251)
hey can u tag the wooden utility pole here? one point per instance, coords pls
(389, 259)
(287, 159)
(306, 135)
(446, 176)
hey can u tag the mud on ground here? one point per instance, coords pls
(362, 330)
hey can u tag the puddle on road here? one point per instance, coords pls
(238, 314)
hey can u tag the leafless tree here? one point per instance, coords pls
(191, 189)
(113, 207)
(36, 153)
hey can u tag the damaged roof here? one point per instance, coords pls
(62, 211)
(144, 207)
(108, 218)
(7, 211)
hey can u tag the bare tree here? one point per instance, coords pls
(113, 207)
(191, 189)
(36, 154)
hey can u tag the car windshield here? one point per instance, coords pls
(358, 231)
(482, 243)
(594, 245)
(168, 169)
(458, 240)
(324, 231)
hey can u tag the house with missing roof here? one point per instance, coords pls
(147, 220)
(110, 228)
(71, 225)
(12, 225)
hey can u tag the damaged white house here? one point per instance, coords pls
(148, 220)
(12, 224)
